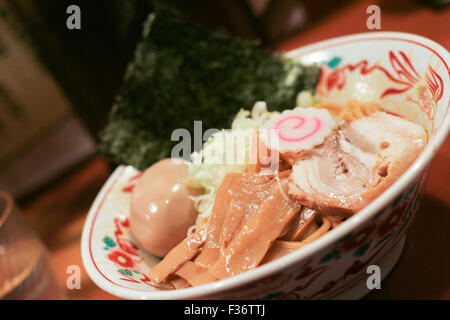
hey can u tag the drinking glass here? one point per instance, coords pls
(25, 270)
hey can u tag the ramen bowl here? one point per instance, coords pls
(407, 75)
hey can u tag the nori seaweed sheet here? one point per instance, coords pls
(183, 72)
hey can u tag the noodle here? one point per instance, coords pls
(352, 111)
(326, 225)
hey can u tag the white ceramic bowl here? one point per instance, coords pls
(406, 74)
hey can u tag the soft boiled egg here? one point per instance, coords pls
(161, 210)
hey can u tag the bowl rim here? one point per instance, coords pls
(272, 267)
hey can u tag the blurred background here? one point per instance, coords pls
(57, 85)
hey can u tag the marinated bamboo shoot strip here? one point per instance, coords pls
(237, 199)
(281, 248)
(179, 255)
(300, 225)
(194, 274)
(249, 247)
(179, 283)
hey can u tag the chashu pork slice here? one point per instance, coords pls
(356, 163)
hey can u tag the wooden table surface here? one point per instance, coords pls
(58, 212)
